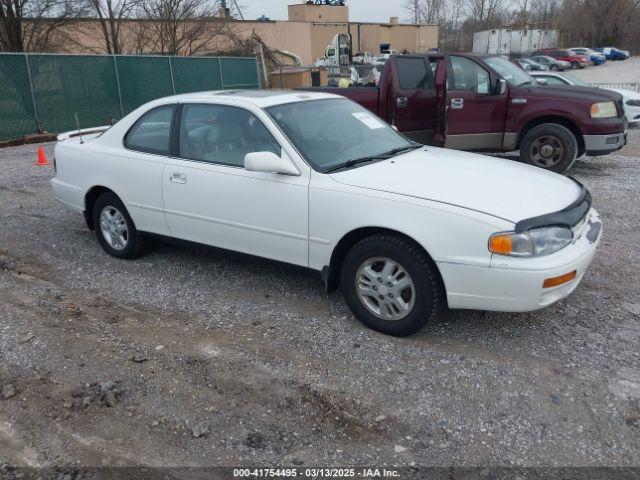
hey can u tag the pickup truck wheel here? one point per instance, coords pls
(115, 230)
(391, 285)
(550, 146)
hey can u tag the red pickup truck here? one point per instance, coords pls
(469, 102)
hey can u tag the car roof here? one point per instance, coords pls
(257, 98)
(545, 73)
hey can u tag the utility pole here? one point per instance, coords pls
(416, 9)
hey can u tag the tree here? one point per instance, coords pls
(413, 7)
(450, 23)
(484, 14)
(179, 27)
(111, 14)
(425, 11)
(598, 23)
(29, 25)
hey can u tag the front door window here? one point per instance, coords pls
(469, 76)
(223, 134)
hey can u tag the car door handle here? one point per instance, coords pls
(178, 178)
(402, 102)
(457, 103)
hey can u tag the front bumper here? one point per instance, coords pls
(595, 145)
(516, 284)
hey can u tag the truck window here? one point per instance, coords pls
(469, 76)
(413, 74)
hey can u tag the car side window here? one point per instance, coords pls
(223, 134)
(152, 132)
(414, 74)
(554, 80)
(469, 76)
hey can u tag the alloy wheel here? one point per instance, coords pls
(114, 228)
(385, 288)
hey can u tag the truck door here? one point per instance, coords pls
(439, 69)
(476, 112)
(413, 103)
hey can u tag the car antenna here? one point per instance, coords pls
(78, 125)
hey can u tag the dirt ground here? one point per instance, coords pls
(197, 357)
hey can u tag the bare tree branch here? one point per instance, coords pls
(111, 14)
(28, 25)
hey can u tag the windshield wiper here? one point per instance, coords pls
(398, 151)
(383, 156)
(351, 163)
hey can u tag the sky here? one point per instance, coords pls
(359, 10)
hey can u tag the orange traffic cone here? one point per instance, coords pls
(42, 158)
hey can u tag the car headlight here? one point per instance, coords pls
(633, 103)
(533, 243)
(603, 110)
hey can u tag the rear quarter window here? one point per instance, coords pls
(152, 131)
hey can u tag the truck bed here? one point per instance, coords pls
(368, 97)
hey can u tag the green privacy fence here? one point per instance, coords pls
(44, 92)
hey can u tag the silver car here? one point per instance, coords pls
(551, 63)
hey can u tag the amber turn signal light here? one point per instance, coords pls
(561, 280)
(500, 244)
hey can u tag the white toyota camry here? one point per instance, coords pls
(314, 179)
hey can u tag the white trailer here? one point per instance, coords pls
(505, 41)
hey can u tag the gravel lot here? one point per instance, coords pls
(626, 71)
(200, 357)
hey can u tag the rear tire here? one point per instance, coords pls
(115, 230)
(550, 146)
(391, 284)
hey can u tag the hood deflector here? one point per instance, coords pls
(567, 217)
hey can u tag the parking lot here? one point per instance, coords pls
(612, 72)
(202, 357)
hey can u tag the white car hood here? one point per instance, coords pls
(502, 188)
(626, 94)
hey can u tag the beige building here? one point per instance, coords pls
(307, 33)
(311, 28)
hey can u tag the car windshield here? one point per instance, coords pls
(575, 80)
(337, 133)
(514, 75)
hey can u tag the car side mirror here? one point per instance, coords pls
(501, 86)
(269, 162)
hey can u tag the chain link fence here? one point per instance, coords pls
(44, 92)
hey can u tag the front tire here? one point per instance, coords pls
(553, 68)
(114, 228)
(391, 284)
(550, 146)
